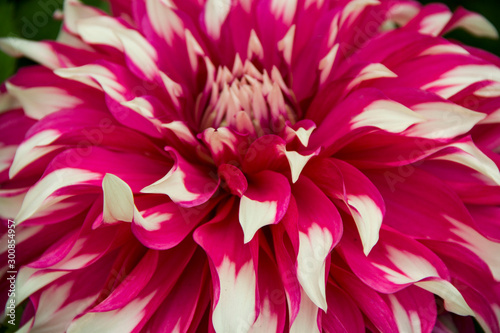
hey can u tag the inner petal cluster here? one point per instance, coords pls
(248, 100)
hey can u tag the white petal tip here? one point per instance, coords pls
(118, 200)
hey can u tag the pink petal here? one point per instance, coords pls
(265, 153)
(343, 314)
(272, 299)
(340, 180)
(234, 179)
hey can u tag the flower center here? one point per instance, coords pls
(249, 101)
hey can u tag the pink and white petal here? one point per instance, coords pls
(102, 30)
(298, 161)
(118, 200)
(119, 86)
(437, 213)
(473, 279)
(40, 101)
(74, 11)
(164, 226)
(414, 309)
(472, 22)
(368, 300)
(265, 202)
(466, 153)
(40, 52)
(394, 263)
(401, 262)
(301, 130)
(447, 75)
(224, 144)
(172, 31)
(307, 317)
(320, 229)
(367, 109)
(57, 304)
(214, 14)
(93, 128)
(59, 249)
(272, 307)
(40, 197)
(443, 119)
(33, 149)
(30, 280)
(339, 180)
(72, 172)
(453, 300)
(186, 184)
(234, 271)
(430, 20)
(89, 248)
(134, 315)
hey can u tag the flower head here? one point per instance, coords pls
(254, 166)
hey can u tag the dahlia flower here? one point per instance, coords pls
(253, 166)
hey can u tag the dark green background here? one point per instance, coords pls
(32, 19)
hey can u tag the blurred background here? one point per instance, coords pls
(32, 19)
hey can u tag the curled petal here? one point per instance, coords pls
(264, 202)
(185, 184)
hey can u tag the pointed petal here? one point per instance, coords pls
(320, 229)
(234, 271)
(265, 202)
(298, 161)
(394, 263)
(340, 180)
(474, 23)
